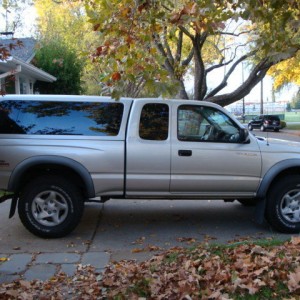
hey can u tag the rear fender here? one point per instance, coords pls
(27, 164)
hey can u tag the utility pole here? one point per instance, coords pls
(243, 97)
(261, 97)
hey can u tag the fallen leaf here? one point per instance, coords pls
(295, 240)
(294, 280)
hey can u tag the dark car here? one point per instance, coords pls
(264, 122)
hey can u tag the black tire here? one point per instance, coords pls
(276, 129)
(248, 202)
(283, 205)
(262, 128)
(50, 206)
(250, 127)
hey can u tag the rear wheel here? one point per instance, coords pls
(50, 206)
(283, 205)
(262, 128)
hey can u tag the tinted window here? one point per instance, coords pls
(154, 122)
(60, 118)
(207, 124)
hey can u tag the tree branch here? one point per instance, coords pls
(224, 81)
(167, 47)
(179, 46)
(256, 75)
(167, 64)
(200, 86)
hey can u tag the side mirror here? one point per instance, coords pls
(244, 136)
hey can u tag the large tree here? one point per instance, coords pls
(66, 21)
(152, 43)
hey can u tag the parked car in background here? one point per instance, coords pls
(264, 122)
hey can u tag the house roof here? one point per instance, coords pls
(22, 56)
(25, 52)
(27, 69)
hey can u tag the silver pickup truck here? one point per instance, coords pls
(56, 152)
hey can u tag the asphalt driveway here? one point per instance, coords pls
(123, 229)
(121, 226)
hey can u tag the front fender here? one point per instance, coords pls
(25, 165)
(266, 182)
(273, 172)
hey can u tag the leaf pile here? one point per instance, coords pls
(203, 272)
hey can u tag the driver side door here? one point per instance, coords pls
(207, 157)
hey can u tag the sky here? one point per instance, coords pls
(28, 23)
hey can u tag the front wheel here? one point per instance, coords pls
(50, 206)
(250, 127)
(283, 205)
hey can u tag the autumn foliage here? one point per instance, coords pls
(155, 45)
(230, 271)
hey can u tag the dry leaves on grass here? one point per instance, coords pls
(204, 272)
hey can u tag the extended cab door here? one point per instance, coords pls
(208, 158)
(148, 149)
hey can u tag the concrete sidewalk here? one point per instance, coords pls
(22, 255)
(123, 229)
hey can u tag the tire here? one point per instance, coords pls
(250, 127)
(276, 129)
(50, 206)
(248, 202)
(262, 128)
(283, 205)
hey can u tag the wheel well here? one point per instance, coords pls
(282, 174)
(51, 169)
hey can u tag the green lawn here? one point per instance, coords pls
(293, 126)
(292, 117)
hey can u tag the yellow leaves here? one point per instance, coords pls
(125, 12)
(3, 259)
(286, 72)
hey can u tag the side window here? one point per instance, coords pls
(207, 124)
(154, 122)
(60, 118)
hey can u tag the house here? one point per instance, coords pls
(18, 66)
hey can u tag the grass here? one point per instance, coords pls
(293, 126)
(292, 117)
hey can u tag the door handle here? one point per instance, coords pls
(185, 152)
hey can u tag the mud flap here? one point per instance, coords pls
(259, 213)
(13, 206)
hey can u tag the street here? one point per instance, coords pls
(284, 134)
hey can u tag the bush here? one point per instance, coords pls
(57, 59)
(282, 124)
